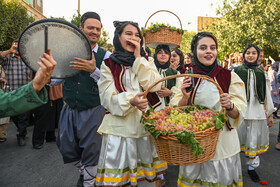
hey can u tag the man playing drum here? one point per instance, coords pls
(78, 140)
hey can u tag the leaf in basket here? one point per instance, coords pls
(188, 109)
(148, 122)
(156, 134)
(220, 119)
(164, 133)
(218, 124)
(147, 113)
(200, 107)
(149, 127)
(188, 138)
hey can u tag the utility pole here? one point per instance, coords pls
(79, 6)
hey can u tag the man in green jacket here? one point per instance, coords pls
(30, 95)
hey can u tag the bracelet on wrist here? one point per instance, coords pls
(231, 108)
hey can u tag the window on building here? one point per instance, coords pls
(39, 3)
(31, 14)
(29, 2)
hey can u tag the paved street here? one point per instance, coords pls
(27, 167)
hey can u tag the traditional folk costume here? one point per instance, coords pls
(172, 84)
(224, 169)
(254, 132)
(81, 116)
(128, 154)
(21, 100)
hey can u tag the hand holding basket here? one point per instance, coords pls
(171, 150)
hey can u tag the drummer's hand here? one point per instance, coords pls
(164, 92)
(270, 121)
(43, 75)
(136, 42)
(225, 100)
(139, 102)
(85, 65)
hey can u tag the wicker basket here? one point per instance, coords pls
(170, 150)
(163, 36)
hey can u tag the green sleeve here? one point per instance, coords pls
(21, 100)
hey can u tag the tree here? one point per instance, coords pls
(104, 39)
(13, 20)
(76, 19)
(248, 21)
(186, 41)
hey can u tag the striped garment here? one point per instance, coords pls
(17, 73)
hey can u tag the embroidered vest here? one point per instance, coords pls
(81, 91)
(260, 83)
(168, 83)
(118, 72)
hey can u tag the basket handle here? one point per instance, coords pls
(183, 75)
(164, 11)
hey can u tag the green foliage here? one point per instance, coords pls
(154, 27)
(188, 138)
(184, 137)
(76, 19)
(186, 41)
(104, 40)
(13, 20)
(248, 21)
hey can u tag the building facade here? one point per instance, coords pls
(203, 22)
(34, 8)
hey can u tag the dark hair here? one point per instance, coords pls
(189, 54)
(201, 35)
(206, 69)
(248, 47)
(165, 48)
(120, 25)
(147, 49)
(181, 55)
(226, 55)
(88, 15)
(15, 41)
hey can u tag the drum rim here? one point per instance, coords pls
(57, 21)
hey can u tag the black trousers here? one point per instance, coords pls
(21, 121)
(46, 120)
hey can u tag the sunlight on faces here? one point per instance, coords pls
(188, 59)
(162, 57)
(130, 32)
(206, 51)
(92, 29)
(251, 55)
(175, 58)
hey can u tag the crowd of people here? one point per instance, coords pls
(98, 111)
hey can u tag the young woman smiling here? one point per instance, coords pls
(224, 169)
(254, 130)
(128, 154)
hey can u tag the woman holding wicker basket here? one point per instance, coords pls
(224, 169)
(128, 155)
